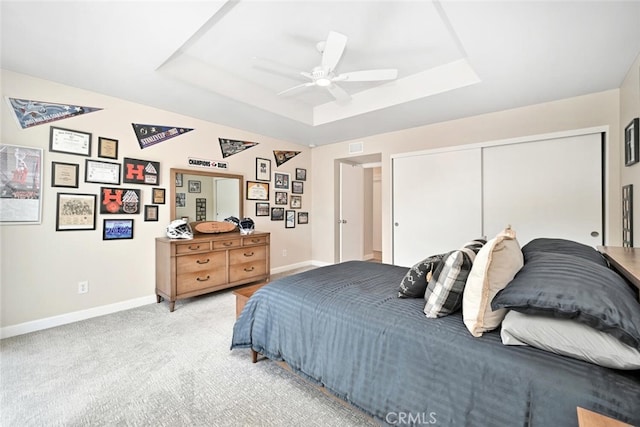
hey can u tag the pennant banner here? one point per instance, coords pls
(284, 156)
(32, 113)
(153, 134)
(230, 147)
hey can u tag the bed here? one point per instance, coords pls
(343, 327)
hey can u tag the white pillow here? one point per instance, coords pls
(494, 267)
(568, 338)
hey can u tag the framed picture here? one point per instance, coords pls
(117, 229)
(297, 187)
(303, 217)
(158, 195)
(138, 171)
(627, 216)
(281, 180)
(296, 202)
(101, 172)
(151, 212)
(21, 184)
(262, 209)
(257, 190)
(75, 212)
(277, 214)
(194, 186)
(290, 221)
(281, 197)
(107, 148)
(631, 144)
(201, 209)
(65, 174)
(263, 169)
(116, 200)
(301, 174)
(178, 180)
(69, 141)
(181, 200)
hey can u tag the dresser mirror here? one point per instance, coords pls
(205, 196)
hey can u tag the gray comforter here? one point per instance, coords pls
(343, 327)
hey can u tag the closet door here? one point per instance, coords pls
(436, 203)
(549, 188)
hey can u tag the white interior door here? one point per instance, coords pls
(227, 199)
(351, 213)
(436, 203)
(549, 188)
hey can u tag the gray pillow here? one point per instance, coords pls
(564, 246)
(414, 283)
(570, 287)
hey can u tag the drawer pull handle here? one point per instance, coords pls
(228, 243)
(255, 240)
(248, 254)
(249, 269)
(200, 279)
(203, 262)
(194, 248)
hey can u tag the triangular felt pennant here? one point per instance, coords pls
(153, 134)
(284, 156)
(32, 113)
(230, 147)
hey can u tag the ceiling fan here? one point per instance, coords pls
(324, 74)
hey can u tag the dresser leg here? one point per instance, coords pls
(172, 305)
(158, 299)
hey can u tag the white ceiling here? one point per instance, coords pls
(225, 62)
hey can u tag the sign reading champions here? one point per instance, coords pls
(209, 164)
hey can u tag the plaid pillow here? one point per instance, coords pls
(444, 291)
(414, 283)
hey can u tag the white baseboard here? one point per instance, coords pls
(63, 319)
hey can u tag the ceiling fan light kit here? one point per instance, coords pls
(323, 75)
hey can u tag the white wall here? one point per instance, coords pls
(40, 268)
(594, 110)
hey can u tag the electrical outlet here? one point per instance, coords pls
(284, 252)
(83, 287)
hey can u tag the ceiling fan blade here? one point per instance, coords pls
(295, 88)
(368, 75)
(338, 93)
(333, 49)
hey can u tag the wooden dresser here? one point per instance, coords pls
(209, 262)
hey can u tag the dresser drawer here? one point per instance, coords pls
(255, 240)
(240, 256)
(194, 281)
(247, 270)
(226, 244)
(192, 247)
(201, 262)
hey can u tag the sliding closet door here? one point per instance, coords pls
(549, 188)
(436, 203)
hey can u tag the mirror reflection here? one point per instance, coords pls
(205, 196)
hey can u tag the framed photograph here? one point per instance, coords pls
(116, 200)
(277, 214)
(136, 171)
(631, 144)
(151, 212)
(281, 180)
(181, 200)
(262, 209)
(158, 195)
(627, 216)
(178, 180)
(303, 217)
(263, 169)
(21, 184)
(117, 229)
(281, 198)
(257, 190)
(75, 212)
(290, 220)
(194, 186)
(101, 172)
(297, 187)
(65, 174)
(69, 141)
(301, 174)
(201, 209)
(107, 148)
(296, 202)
